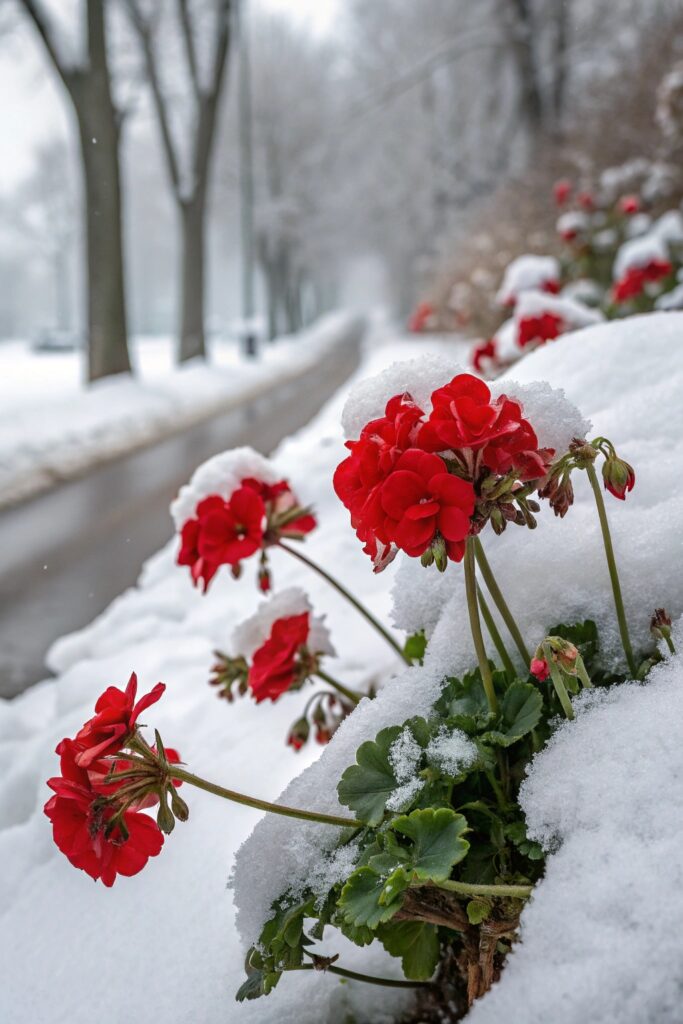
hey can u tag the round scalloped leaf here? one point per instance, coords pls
(438, 843)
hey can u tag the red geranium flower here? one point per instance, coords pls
(200, 568)
(421, 498)
(276, 665)
(464, 416)
(79, 819)
(586, 201)
(230, 530)
(561, 191)
(632, 283)
(518, 451)
(280, 499)
(115, 716)
(541, 328)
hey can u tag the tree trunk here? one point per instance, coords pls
(99, 136)
(522, 40)
(107, 335)
(192, 343)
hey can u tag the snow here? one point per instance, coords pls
(573, 222)
(452, 751)
(254, 631)
(619, 883)
(526, 272)
(52, 428)
(221, 475)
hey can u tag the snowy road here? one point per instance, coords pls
(69, 552)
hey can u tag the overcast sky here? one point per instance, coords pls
(32, 108)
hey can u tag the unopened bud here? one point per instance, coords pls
(427, 558)
(178, 805)
(539, 668)
(440, 553)
(165, 819)
(298, 734)
(619, 477)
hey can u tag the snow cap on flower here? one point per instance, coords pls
(572, 224)
(254, 631)
(568, 314)
(528, 272)
(222, 475)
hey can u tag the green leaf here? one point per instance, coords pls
(359, 902)
(258, 983)
(478, 911)
(521, 712)
(465, 702)
(366, 786)
(415, 647)
(437, 838)
(516, 833)
(416, 943)
(397, 883)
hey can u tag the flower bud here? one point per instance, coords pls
(440, 553)
(660, 624)
(559, 493)
(539, 668)
(264, 579)
(618, 476)
(178, 805)
(165, 819)
(298, 734)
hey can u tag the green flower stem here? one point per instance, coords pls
(351, 695)
(612, 566)
(370, 979)
(558, 682)
(581, 672)
(670, 644)
(496, 787)
(475, 626)
(495, 635)
(495, 592)
(350, 598)
(261, 805)
(520, 892)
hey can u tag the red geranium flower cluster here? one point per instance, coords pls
(283, 661)
(420, 318)
(629, 205)
(225, 531)
(98, 834)
(413, 482)
(539, 329)
(562, 190)
(632, 283)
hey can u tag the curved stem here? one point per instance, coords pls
(261, 805)
(521, 892)
(500, 602)
(612, 566)
(475, 626)
(350, 598)
(351, 695)
(495, 636)
(370, 979)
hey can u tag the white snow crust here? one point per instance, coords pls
(525, 272)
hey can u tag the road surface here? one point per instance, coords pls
(67, 553)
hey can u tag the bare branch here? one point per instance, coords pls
(222, 46)
(190, 49)
(37, 15)
(144, 32)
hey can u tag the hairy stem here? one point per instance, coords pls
(350, 598)
(500, 602)
(612, 566)
(370, 979)
(521, 892)
(558, 682)
(261, 805)
(475, 626)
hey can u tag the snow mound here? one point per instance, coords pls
(607, 796)
(638, 252)
(572, 312)
(255, 630)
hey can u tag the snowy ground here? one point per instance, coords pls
(51, 427)
(594, 934)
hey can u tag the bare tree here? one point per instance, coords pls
(188, 167)
(88, 85)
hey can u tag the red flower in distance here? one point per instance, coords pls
(551, 286)
(562, 190)
(586, 201)
(629, 204)
(276, 664)
(541, 328)
(539, 668)
(116, 714)
(632, 283)
(80, 818)
(421, 498)
(420, 318)
(485, 351)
